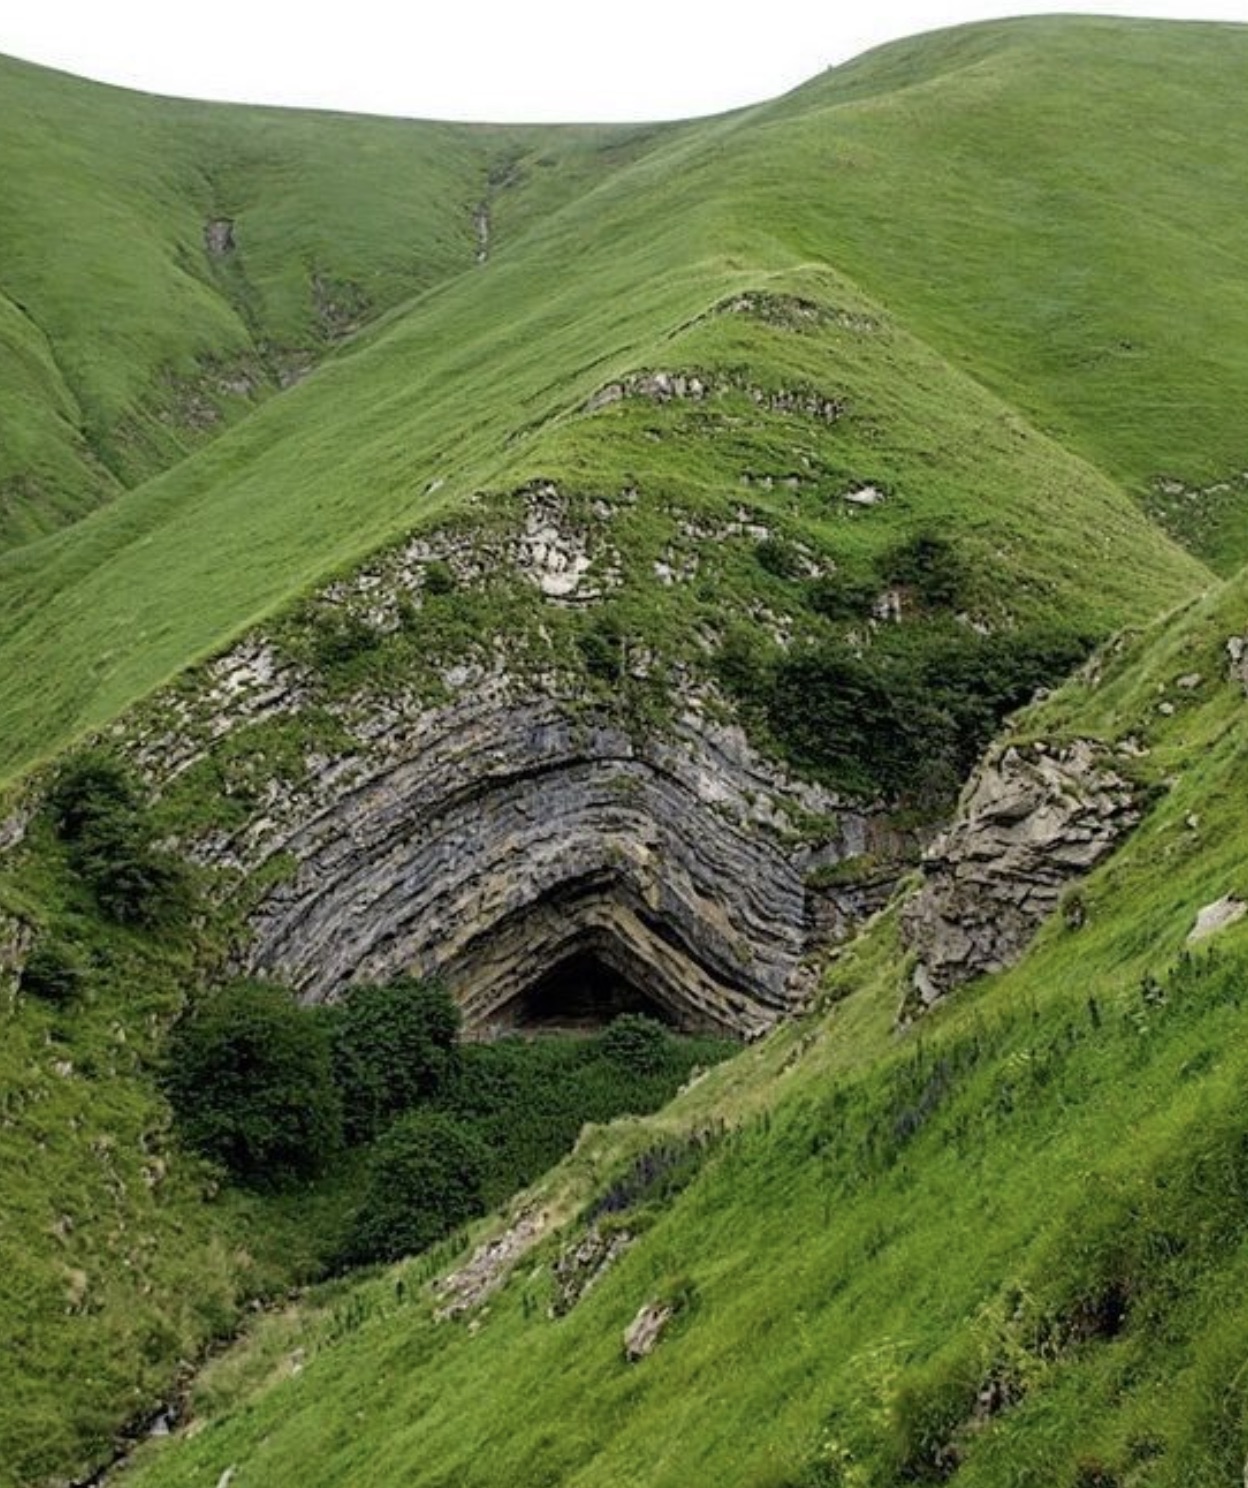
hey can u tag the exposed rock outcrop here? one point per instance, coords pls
(1032, 819)
(642, 1335)
(692, 386)
(489, 1266)
(493, 838)
(1217, 916)
(219, 236)
(580, 1266)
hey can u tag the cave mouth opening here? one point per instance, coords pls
(580, 994)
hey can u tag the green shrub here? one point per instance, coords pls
(777, 557)
(602, 647)
(92, 788)
(394, 1046)
(251, 1082)
(636, 1043)
(930, 566)
(438, 577)
(426, 1177)
(907, 718)
(53, 973)
(841, 597)
(341, 639)
(98, 812)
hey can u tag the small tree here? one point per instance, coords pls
(394, 1046)
(636, 1043)
(426, 1176)
(251, 1082)
(98, 813)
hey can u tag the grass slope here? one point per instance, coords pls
(462, 392)
(1007, 1247)
(1058, 204)
(127, 341)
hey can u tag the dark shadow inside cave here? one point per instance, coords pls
(580, 994)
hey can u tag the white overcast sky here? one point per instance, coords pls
(513, 60)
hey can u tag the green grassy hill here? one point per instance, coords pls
(454, 393)
(133, 331)
(977, 291)
(1006, 1247)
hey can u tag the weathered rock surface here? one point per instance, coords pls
(1032, 820)
(1216, 916)
(581, 1265)
(642, 1335)
(491, 839)
(693, 386)
(489, 1266)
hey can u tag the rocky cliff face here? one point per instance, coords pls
(492, 838)
(1032, 820)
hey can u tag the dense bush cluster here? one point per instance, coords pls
(98, 813)
(905, 713)
(426, 1177)
(908, 717)
(274, 1092)
(251, 1080)
(393, 1047)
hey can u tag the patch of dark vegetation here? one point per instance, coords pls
(931, 568)
(657, 1174)
(603, 647)
(394, 1046)
(98, 813)
(841, 597)
(342, 639)
(906, 717)
(281, 1095)
(250, 1078)
(779, 558)
(425, 1178)
(53, 972)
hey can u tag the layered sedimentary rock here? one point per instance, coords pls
(1033, 819)
(491, 839)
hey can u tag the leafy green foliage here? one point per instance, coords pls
(90, 789)
(529, 1098)
(98, 813)
(778, 558)
(53, 972)
(439, 579)
(251, 1081)
(602, 645)
(930, 566)
(394, 1046)
(636, 1043)
(906, 718)
(342, 639)
(426, 1177)
(841, 597)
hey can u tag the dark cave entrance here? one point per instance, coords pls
(581, 994)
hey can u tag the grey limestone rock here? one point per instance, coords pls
(1032, 820)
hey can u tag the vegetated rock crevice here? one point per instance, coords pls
(1033, 819)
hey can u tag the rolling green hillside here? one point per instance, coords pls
(1005, 1247)
(455, 393)
(930, 370)
(133, 331)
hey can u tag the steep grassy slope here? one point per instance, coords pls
(455, 395)
(1008, 1247)
(132, 332)
(1055, 203)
